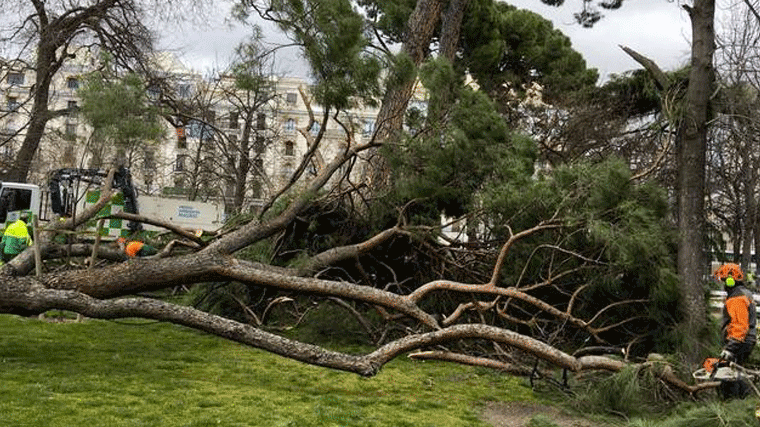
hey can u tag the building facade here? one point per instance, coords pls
(228, 150)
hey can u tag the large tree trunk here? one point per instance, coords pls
(419, 33)
(47, 66)
(390, 119)
(691, 152)
(244, 164)
(451, 28)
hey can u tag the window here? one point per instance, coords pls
(290, 148)
(207, 164)
(15, 79)
(287, 170)
(180, 163)
(72, 108)
(15, 199)
(315, 128)
(234, 120)
(207, 133)
(71, 130)
(368, 128)
(68, 156)
(291, 98)
(181, 138)
(210, 117)
(154, 92)
(7, 152)
(261, 121)
(256, 190)
(149, 161)
(72, 83)
(258, 166)
(184, 91)
(193, 129)
(12, 103)
(259, 145)
(290, 125)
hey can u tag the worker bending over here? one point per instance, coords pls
(135, 248)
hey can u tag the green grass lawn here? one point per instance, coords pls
(99, 373)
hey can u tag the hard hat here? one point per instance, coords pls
(729, 271)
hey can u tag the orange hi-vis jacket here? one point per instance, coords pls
(133, 248)
(739, 317)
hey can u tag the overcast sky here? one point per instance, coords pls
(658, 29)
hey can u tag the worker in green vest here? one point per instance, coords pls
(15, 239)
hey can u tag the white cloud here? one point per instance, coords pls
(657, 29)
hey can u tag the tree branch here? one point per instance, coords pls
(659, 76)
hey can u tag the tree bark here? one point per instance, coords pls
(451, 28)
(420, 28)
(47, 66)
(691, 154)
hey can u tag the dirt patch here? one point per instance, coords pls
(519, 414)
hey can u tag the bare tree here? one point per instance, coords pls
(49, 35)
(249, 90)
(733, 156)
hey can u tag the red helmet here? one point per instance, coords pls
(729, 270)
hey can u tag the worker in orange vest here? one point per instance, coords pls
(739, 325)
(135, 248)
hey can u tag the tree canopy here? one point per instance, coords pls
(505, 45)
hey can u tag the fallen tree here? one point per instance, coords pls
(108, 292)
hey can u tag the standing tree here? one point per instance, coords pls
(732, 154)
(691, 149)
(122, 118)
(50, 33)
(252, 96)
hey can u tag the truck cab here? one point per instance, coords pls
(16, 197)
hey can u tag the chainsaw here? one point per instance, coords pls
(714, 369)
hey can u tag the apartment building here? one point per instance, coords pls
(200, 158)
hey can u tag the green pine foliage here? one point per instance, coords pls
(632, 392)
(333, 40)
(735, 413)
(616, 234)
(443, 168)
(504, 44)
(119, 110)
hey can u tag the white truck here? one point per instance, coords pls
(70, 191)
